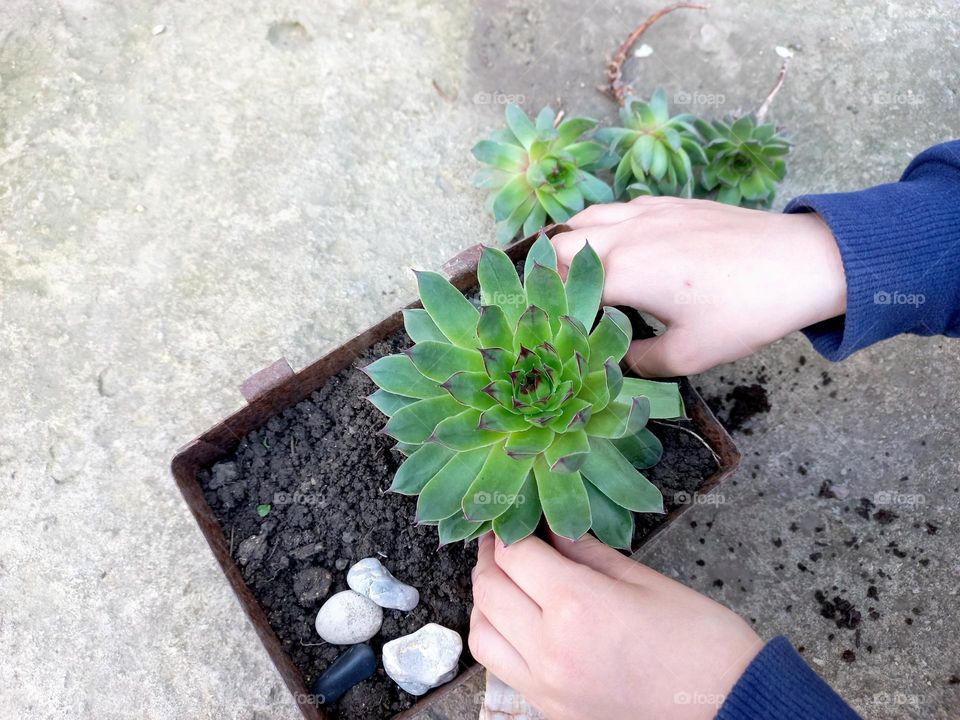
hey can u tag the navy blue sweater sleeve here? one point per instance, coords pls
(779, 685)
(900, 245)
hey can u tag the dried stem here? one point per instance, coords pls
(765, 107)
(615, 87)
(681, 428)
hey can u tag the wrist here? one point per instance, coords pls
(815, 269)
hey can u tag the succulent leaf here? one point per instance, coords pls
(453, 314)
(613, 475)
(388, 403)
(611, 338)
(417, 421)
(522, 518)
(462, 432)
(466, 387)
(567, 452)
(420, 327)
(495, 488)
(438, 361)
(441, 496)
(664, 397)
(398, 374)
(564, 500)
(419, 467)
(620, 418)
(611, 523)
(456, 528)
(545, 290)
(642, 450)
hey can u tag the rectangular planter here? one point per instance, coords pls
(277, 387)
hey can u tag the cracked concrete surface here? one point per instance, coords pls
(188, 191)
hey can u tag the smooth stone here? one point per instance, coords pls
(352, 667)
(311, 584)
(424, 659)
(372, 580)
(502, 702)
(348, 618)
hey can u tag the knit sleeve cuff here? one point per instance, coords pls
(900, 246)
(779, 685)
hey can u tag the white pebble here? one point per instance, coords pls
(643, 51)
(424, 659)
(372, 580)
(348, 618)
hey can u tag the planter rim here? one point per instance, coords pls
(277, 386)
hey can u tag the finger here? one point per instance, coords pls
(594, 554)
(615, 212)
(494, 652)
(537, 568)
(602, 239)
(507, 607)
(607, 214)
(667, 355)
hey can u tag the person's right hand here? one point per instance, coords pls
(724, 280)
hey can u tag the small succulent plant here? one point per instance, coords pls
(538, 171)
(657, 152)
(745, 160)
(517, 410)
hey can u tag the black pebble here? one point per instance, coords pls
(354, 666)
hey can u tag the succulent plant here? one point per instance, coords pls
(744, 160)
(517, 410)
(539, 171)
(656, 152)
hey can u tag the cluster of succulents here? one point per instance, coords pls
(518, 409)
(539, 173)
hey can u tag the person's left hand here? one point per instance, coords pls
(584, 632)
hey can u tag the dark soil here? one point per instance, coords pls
(323, 467)
(744, 403)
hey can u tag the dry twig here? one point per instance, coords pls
(615, 86)
(768, 101)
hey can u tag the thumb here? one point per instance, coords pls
(666, 355)
(595, 555)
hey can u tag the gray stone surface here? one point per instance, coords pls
(371, 579)
(423, 659)
(181, 207)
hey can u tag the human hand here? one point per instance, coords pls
(585, 633)
(724, 280)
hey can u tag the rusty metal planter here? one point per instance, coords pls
(278, 387)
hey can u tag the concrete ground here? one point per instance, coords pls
(190, 190)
